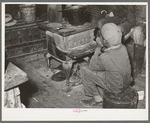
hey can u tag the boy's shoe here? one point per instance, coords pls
(91, 103)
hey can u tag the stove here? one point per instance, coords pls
(74, 41)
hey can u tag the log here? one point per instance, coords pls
(17, 98)
(11, 99)
(5, 98)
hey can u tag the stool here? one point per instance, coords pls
(127, 99)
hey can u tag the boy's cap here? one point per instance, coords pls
(112, 34)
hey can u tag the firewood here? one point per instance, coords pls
(17, 97)
(11, 99)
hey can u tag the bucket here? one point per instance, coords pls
(77, 16)
(27, 12)
(127, 99)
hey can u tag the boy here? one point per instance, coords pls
(110, 70)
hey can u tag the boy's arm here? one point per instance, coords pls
(95, 62)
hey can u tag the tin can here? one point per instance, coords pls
(28, 12)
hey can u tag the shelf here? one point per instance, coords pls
(27, 54)
(22, 24)
(30, 42)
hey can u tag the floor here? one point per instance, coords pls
(41, 92)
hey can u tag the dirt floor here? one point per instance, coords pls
(41, 92)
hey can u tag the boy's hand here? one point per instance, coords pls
(130, 34)
(99, 42)
(97, 51)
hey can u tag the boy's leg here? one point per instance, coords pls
(90, 81)
(138, 36)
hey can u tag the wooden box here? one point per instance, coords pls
(24, 39)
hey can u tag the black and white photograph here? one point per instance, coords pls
(74, 60)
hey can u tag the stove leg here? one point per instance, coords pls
(67, 70)
(48, 55)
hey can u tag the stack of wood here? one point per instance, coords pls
(13, 78)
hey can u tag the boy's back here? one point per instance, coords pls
(117, 68)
